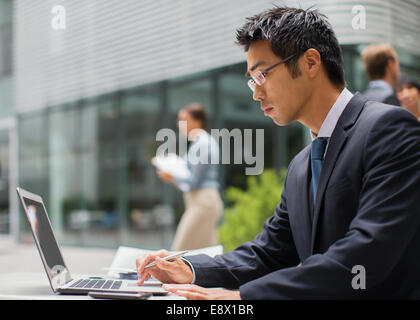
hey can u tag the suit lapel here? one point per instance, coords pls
(337, 141)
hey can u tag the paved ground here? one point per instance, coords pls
(25, 258)
(21, 264)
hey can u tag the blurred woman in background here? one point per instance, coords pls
(203, 204)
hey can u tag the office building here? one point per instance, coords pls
(82, 96)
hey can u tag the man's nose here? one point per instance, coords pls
(258, 93)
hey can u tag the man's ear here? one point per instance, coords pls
(311, 62)
(390, 65)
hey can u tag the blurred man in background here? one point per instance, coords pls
(383, 70)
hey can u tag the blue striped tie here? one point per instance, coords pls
(317, 157)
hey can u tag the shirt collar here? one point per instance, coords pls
(333, 115)
(380, 84)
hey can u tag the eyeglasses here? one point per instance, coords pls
(259, 77)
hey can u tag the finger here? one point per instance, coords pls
(143, 277)
(141, 262)
(138, 262)
(170, 288)
(186, 287)
(162, 253)
(142, 273)
(157, 274)
(192, 295)
(165, 265)
(150, 258)
(148, 272)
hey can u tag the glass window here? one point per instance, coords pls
(84, 172)
(148, 219)
(64, 170)
(409, 64)
(187, 90)
(6, 14)
(4, 181)
(6, 51)
(90, 160)
(33, 160)
(240, 111)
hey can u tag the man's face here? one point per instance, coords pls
(282, 98)
(190, 122)
(186, 117)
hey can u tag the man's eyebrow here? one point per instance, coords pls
(255, 66)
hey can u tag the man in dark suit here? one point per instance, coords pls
(383, 70)
(348, 224)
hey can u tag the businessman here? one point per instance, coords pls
(350, 199)
(383, 70)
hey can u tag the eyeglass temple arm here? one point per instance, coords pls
(280, 62)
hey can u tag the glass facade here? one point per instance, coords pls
(90, 159)
(6, 56)
(4, 182)
(6, 107)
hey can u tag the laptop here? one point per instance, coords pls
(58, 274)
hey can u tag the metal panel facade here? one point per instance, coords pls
(113, 44)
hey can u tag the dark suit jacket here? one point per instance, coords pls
(367, 213)
(381, 95)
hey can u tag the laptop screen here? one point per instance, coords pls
(47, 244)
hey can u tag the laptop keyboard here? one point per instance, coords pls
(97, 284)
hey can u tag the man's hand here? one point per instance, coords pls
(193, 292)
(176, 271)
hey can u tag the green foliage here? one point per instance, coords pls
(245, 218)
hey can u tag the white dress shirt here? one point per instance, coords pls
(332, 117)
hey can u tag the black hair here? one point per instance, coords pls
(408, 83)
(197, 112)
(292, 31)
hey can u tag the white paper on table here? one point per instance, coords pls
(125, 258)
